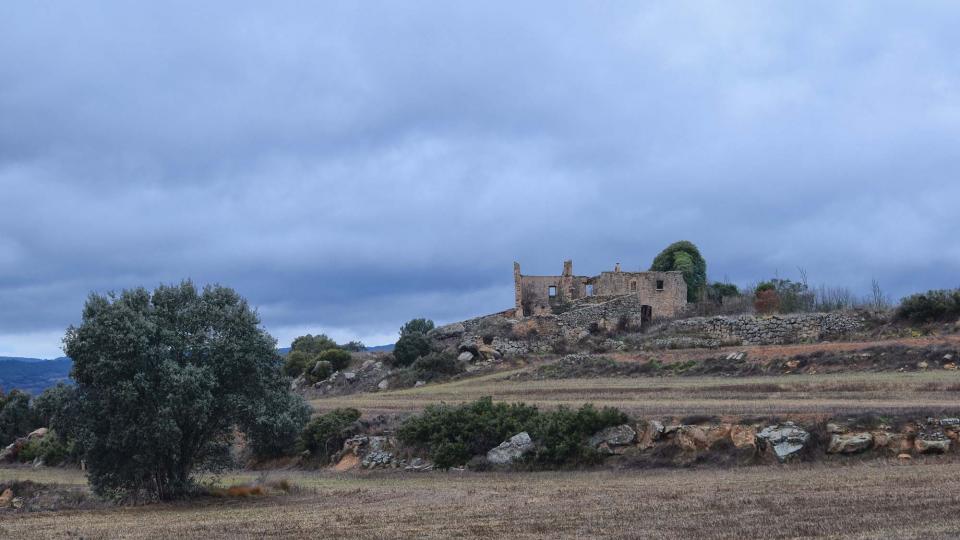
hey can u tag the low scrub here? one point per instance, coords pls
(324, 435)
(931, 306)
(453, 434)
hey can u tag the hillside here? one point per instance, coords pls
(33, 375)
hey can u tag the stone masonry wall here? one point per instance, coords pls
(770, 330)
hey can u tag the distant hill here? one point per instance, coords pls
(33, 375)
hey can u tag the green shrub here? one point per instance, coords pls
(325, 434)
(296, 362)
(436, 365)
(50, 448)
(455, 433)
(312, 345)
(319, 370)
(562, 434)
(339, 359)
(931, 306)
(16, 417)
(410, 347)
(416, 326)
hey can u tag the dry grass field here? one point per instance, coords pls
(875, 500)
(646, 396)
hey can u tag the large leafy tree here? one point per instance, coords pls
(684, 257)
(164, 379)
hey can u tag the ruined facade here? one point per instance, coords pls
(660, 294)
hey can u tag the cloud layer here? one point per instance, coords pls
(350, 167)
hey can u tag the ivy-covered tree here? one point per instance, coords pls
(164, 379)
(684, 256)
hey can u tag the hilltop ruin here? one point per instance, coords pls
(659, 294)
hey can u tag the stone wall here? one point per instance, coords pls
(769, 330)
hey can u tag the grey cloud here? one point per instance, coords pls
(350, 167)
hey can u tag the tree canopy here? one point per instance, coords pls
(684, 257)
(416, 326)
(164, 378)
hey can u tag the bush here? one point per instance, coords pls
(931, 306)
(52, 449)
(436, 365)
(561, 435)
(16, 417)
(313, 345)
(455, 434)
(319, 370)
(296, 362)
(339, 359)
(325, 434)
(416, 326)
(410, 347)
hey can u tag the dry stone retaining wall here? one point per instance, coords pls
(769, 330)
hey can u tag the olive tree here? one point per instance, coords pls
(163, 381)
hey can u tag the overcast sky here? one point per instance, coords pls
(347, 166)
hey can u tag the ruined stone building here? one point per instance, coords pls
(660, 294)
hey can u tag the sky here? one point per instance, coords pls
(347, 166)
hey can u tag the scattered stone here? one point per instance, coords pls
(38, 433)
(366, 364)
(950, 366)
(950, 422)
(298, 383)
(612, 437)
(948, 357)
(793, 364)
(349, 375)
(6, 498)
(904, 457)
(518, 445)
(833, 427)
(17, 503)
(691, 438)
(849, 443)
(923, 364)
(736, 356)
(465, 356)
(419, 384)
(384, 384)
(785, 439)
(419, 465)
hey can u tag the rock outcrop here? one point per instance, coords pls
(510, 450)
(784, 439)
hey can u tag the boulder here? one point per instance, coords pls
(849, 443)
(833, 427)
(469, 346)
(950, 422)
(448, 331)
(691, 438)
(932, 443)
(465, 356)
(418, 384)
(384, 384)
(509, 450)
(784, 439)
(6, 497)
(904, 457)
(349, 375)
(12, 450)
(38, 433)
(489, 353)
(607, 440)
(743, 436)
